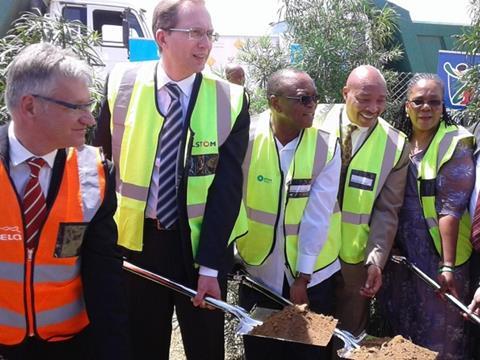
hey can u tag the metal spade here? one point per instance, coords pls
(434, 285)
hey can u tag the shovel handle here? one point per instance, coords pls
(246, 280)
(433, 284)
(218, 304)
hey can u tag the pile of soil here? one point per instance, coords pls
(297, 323)
(397, 348)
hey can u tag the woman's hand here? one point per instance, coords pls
(446, 280)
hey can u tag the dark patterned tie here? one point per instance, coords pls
(476, 226)
(347, 147)
(169, 144)
(34, 204)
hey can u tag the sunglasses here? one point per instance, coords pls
(304, 99)
(417, 103)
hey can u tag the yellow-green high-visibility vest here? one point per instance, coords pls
(369, 168)
(135, 127)
(439, 152)
(266, 191)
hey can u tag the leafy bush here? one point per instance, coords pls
(32, 28)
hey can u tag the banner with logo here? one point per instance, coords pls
(451, 66)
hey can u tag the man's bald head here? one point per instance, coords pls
(365, 95)
(365, 74)
(235, 74)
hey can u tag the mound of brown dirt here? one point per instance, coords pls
(397, 348)
(298, 324)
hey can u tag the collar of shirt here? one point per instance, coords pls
(19, 154)
(186, 85)
(290, 146)
(346, 121)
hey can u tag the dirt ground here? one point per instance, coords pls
(396, 348)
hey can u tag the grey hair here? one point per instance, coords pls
(36, 69)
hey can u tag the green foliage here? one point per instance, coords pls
(469, 42)
(262, 57)
(338, 35)
(31, 28)
(334, 37)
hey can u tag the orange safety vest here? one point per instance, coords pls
(42, 293)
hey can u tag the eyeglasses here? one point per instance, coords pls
(417, 103)
(83, 107)
(198, 33)
(304, 99)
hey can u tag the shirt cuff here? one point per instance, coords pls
(306, 263)
(206, 271)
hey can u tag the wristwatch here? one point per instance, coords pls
(300, 275)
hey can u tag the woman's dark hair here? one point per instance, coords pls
(402, 122)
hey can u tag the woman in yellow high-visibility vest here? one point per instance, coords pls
(434, 225)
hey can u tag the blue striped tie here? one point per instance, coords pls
(169, 143)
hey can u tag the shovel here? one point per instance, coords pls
(246, 323)
(435, 286)
(351, 342)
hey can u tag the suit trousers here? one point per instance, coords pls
(151, 305)
(321, 301)
(351, 308)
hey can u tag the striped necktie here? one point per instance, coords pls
(169, 143)
(34, 204)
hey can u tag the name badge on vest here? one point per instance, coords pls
(202, 165)
(299, 188)
(362, 180)
(69, 240)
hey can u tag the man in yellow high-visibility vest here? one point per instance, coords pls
(178, 137)
(291, 175)
(372, 183)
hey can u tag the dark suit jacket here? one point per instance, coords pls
(224, 196)
(101, 265)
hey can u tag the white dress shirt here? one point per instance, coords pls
(313, 227)
(186, 86)
(358, 135)
(19, 169)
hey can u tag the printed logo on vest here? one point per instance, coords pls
(10, 233)
(204, 143)
(264, 179)
(362, 180)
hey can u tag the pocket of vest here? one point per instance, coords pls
(298, 188)
(362, 180)
(69, 239)
(202, 165)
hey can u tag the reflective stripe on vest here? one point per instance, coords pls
(439, 152)
(52, 278)
(366, 175)
(136, 125)
(265, 191)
